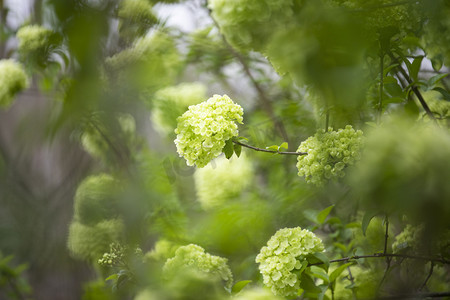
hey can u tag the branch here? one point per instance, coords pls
(413, 88)
(269, 151)
(428, 277)
(378, 255)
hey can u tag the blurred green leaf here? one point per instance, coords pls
(335, 274)
(321, 216)
(228, 149)
(239, 286)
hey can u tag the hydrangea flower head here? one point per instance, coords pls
(203, 130)
(222, 180)
(12, 80)
(195, 257)
(329, 153)
(283, 255)
(33, 38)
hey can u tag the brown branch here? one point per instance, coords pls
(269, 151)
(428, 277)
(378, 255)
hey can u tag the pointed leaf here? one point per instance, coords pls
(321, 216)
(228, 149)
(335, 274)
(368, 216)
(415, 67)
(239, 286)
(283, 146)
(237, 149)
(443, 92)
(435, 79)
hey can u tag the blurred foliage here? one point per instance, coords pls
(92, 157)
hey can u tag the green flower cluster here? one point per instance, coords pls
(150, 64)
(91, 242)
(222, 180)
(96, 223)
(249, 24)
(135, 18)
(203, 130)
(12, 80)
(194, 257)
(115, 255)
(409, 238)
(284, 254)
(171, 102)
(162, 250)
(328, 154)
(33, 39)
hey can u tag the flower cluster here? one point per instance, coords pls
(195, 257)
(409, 238)
(328, 154)
(171, 102)
(222, 180)
(162, 250)
(91, 242)
(249, 24)
(203, 130)
(33, 39)
(135, 18)
(95, 199)
(12, 80)
(284, 254)
(114, 257)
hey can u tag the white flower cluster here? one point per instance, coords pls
(284, 254)
(195, 257)
(328, 154)
(171, 102)
(12, 80)
(203, 130)
(222, 180)
(248, 24)
(33, 39)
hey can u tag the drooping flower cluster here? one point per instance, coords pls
(12, 80)
(329, 153)
(249, 24)
(194, 257)
(203, 130)
(284, 254)
(222, 180)
(171, 102)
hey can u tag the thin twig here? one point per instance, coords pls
(386, 235)
(378, 255)
(428, 277)
(269, 151)
(380, 104)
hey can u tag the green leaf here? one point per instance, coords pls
(307, 284)
(435, 79)
(443, 92)
(311, 215)
(237, 149)
(273, 148)
(368, 216)
(239, 286)
(321, 216)
(394, 100)
(283, 146)
(317, 258)
(242, 139)
(437, 62)
(319, 273)
(228, 149)
(341, 246)
(112, 277)
(415, 67)
(335, 274)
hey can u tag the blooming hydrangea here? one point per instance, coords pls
(95, 199)
(171, 102)
(249, 24)
(222, 180)
(328, 154)
(203, 130)
(194, 256)
(12, 80)
(284, 254)
(91, 242)
(33, 38)
(410, 237)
